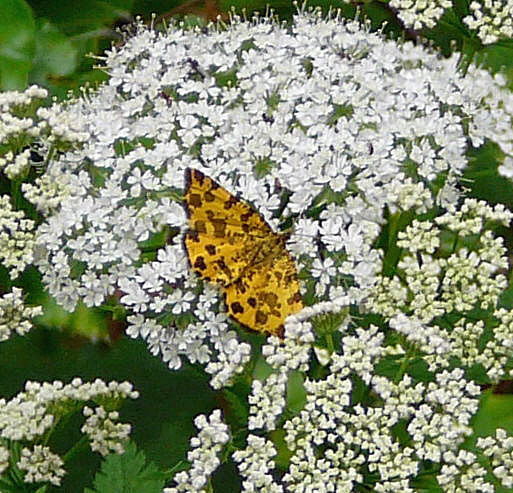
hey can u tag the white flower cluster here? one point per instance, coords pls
(13, 108)
(204, 456)
(334, 440)
(410, 196)
(15, 166)
(24, 122)
(497, 351)
(29, 414)
(463, 472)
(15, 315)
(105, 434)
(228, 357)
(418, 14)
(433, 280)
(4, 458)
(322, 122)
(17, 238)
(492, 19)
(41, 465)
(499, 449)
(442, 421)
(48, 191)
(254, 462)
(267, 401)
(361, 351)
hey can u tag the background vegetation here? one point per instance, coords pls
(50, 43)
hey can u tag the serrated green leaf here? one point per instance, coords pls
(17, 30)
(128, 473)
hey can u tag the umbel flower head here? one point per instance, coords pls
(30, 418)
(420, 14)
(491, 20)
(386, 410)
(321, 125)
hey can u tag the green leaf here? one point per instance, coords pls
(83, 321)
(17, 30)
(498, 57)
(495, 411)
(506, 300)
(55, 54)
(482, 177)
(296, 393)
(83, 17)
(128, 473)
(236, 400)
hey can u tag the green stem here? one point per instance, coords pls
(393, 252)
(404, 365)
(468, 50)
(329, 342)
(78, 447)
(455, 243)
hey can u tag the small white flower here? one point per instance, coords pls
(323, 271)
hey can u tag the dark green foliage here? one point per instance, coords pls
(128, 473)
